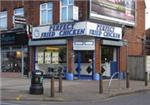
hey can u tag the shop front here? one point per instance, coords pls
(50, 56)
(80, 48)
(14, 51)
(85, 55)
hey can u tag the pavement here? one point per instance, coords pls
(15, 87)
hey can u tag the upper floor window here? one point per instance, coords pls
(66, 10)
(19, 12)
(46, 13)
(3, 20)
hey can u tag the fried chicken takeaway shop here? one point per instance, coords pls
(80, 48)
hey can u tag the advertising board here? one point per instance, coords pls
(121, 11)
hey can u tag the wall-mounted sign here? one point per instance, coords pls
(83, 43)
(59, 30)
(112, 43)
(19, 20)
(13, 38)
(121, 11)
(9, 39)
(77, 29)
(104, 31)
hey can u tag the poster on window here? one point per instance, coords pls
(55, 58)
(40, 57)
(48, 57)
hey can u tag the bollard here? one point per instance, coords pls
(100, 83)
(60, 83)
(127, 80)
(52, 86)
(146, 80)
(52, 90)
(60, 80)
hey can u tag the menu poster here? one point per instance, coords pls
(40, 57)
(48, 57)
(55, 58)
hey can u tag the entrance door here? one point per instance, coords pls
(109, 60)
(84, 64)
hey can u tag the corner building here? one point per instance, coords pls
(85, 37)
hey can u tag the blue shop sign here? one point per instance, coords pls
(77, 29)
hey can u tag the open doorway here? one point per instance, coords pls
(109, 60)
(84, 64)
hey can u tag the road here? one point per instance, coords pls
(141, 98)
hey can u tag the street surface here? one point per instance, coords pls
(15, 91)
(141, 98)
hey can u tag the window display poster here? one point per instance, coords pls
(48, 57)
(55, 58)
(40, 57)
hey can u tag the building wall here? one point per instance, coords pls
(134, 35)
(32, 10)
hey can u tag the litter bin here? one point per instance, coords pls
(36, 82)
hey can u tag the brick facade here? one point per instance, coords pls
(97, 56)
(134, 35)
(70, 54)
(32, 10)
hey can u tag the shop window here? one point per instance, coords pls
(51, 55)
(3, 20)
(107, 54)
(11, 61)
(46, 13)
(85, 56)
(12, 58)
(66, 8)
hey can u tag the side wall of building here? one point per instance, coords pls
(134, 36)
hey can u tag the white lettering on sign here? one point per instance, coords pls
(101, 27)
(105, 31)
(59, 27)
(72, 32)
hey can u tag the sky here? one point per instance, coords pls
(147, 13)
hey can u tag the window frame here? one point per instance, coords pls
(47, 10)
(67, 6)
(19, 14)
(5, 15)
